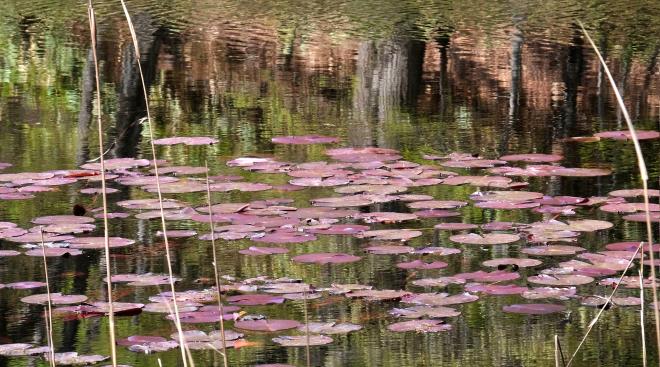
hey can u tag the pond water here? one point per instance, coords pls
(422, 78)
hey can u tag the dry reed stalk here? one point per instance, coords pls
(557, 358)
(177, 322)
(49, 309)
(607, 302)
(307, 353)
(106, 236)
(644, 176)
(641, 311)
(216, 268)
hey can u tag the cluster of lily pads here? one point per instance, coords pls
(360, 178)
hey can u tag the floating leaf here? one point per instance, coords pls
(326, 258)
(534, 308)
(254, 299)
(187, 140)
(560, 280)
(389, 249)
(552, 250)
(495, 289)
(485, 239)
(266, 325)
(419, 326)
(455, 226)
(304, 139)
(421, 265)
(521, 263)
(550, 292)
(626, 135)
(532, 158)
(438, 282)
(55, 298)
(329, 328)
(302, 340)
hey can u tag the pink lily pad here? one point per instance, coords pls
(416, 312)
(439, 299)
(302, 340)
(494, 276)
(561, 200)
(641, 217)
(377, 295)
(150, 204)
(53, 252)
(343, 201)
(36, 238)
(12, 232)
(552, 250)
(183, 233)
(522, 263)
(326, 258)
(437, 204)
(505, 205)
(421, 265)
(420, 326)
(440, 251)
(533, 158)
(4, 253)
(62, 219)
(25, 285)
(73, 358)
(473, 163)
(385, 217)
(562, 294)
(142, 280)
(517, 196)
(66, 228)
(116, 164)
(438, 282)
(560, 280)
(266, 325)
(254, 299)
(534, 308)
(304, 139)
(55, 298)
(281, 236)
(631, 193)
(495, 289)
(187, 140)
(339, 229)
(21, 349)
(330, 328)
(455, 226)
(626, 135)
(632, 246)
(485, 239)
(390, 234)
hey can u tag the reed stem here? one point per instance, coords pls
(49, 308)
(645, 178)
(177, 322)
(216, 268)
(106, 236)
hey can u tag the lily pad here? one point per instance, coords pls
(187, 140)
(485, 239)
(420, 326)
(302, 340)
(326, 258)
(266, 325)
(534, 308)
